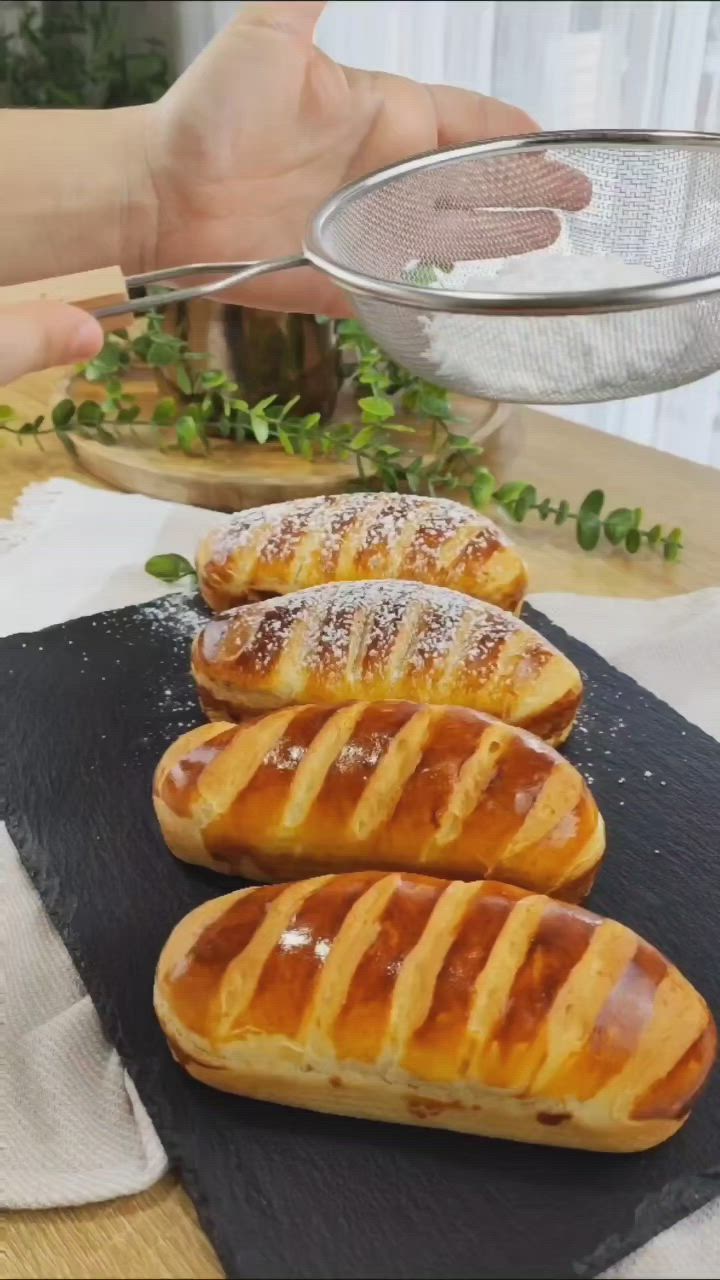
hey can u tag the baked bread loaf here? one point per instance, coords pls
(370, 641)
(475, 1007)
(394, 785)
(287, 546)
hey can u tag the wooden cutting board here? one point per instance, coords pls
(233, 477)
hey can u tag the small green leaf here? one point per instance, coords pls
(129, 414)
(671, 551)
(161, 354)
(285, 440)
(306, 450)
(460, 444)
(105, 364)
(434, 405)
(165, 412)
(632, 541)
(377, 407)
(7, 412)
(212, 378)
(260, 427)
(188, 435)
(311, 421)
(63, 414)
(482, 488)
(588, 529)
(89, 414)
(169, 568)
(421, 275)
(286, 408)
(182, 377)
(675, 536)
(114, 387)
(507, 493)
(617, 525)
(262, 405)
(105, 436)
(28, 429)
(654, 534)
(524, 501)
(637, 516)
(141, 345)
(593, 503)
(544, 508)
(563, 512)
(362, 438)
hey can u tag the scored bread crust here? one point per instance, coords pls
(372, 641)
(287, 546)
(444, 790)
(474, 1007)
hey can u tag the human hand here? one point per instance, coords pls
(40, 335)
(263, 127)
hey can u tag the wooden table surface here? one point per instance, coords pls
(156, 1234)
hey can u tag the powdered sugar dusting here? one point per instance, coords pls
(333, 518)
(178, 615)
(333, 610)
(242, 529)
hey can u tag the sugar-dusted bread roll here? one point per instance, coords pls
(287, 546)
(369, 641)
(475, 1007)
(442, 790)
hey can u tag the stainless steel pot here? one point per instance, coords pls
(266, 352)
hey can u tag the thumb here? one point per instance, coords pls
(40, 335)
(298, 18)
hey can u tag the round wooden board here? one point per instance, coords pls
(233, 477)
(228, 479)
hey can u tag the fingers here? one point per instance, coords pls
(463, 116)
(530, 180)
(40, 335)
(489, 234)
(298, 18)
(526, 181)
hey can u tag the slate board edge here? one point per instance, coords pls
(657, 1213)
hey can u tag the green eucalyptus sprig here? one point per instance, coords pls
(211, 405)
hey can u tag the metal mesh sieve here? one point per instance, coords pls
(408, 245)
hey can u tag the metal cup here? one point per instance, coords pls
(266, 352)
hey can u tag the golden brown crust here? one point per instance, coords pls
(313, 789)
(476, 1007)
(288, 546)
(372, 641)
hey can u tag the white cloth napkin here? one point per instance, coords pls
(75, 1130)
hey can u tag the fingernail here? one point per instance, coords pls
(86, 341)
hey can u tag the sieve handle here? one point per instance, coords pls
(233, 273)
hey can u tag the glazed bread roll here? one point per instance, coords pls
(370, 641)
(475, 1007)
(287, 546)
(452, 792)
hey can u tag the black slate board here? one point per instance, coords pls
(90, 705)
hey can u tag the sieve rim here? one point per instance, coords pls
(470, 302)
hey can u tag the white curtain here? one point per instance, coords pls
(613, 64)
